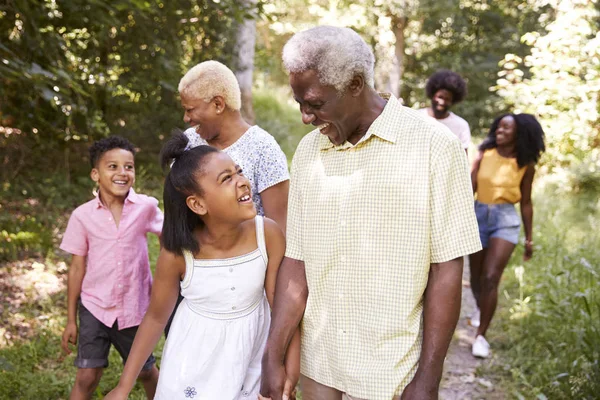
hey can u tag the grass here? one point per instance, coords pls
(547, 328)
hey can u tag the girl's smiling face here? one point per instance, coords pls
(226, 194)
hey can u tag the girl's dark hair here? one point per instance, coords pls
(181, 182)
(529, 142)
(99, 147)
(451, 81)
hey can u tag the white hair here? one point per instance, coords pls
(337, 54)
(209, 79)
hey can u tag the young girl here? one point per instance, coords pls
(225, 258)
(502, 175)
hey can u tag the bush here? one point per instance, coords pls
(550, 329)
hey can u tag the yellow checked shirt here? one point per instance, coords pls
(368, 220)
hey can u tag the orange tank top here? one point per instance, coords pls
(499, 179)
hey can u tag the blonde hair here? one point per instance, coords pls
(337, 54)
(209, 79)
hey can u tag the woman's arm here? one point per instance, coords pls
(527, 210)
(170, 268)
(275, 203)
(475, 171)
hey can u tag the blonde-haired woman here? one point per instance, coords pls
(210, 95)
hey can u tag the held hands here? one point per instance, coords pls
(69, 336)
(275, 385)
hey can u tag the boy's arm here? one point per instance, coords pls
(170, 268)
(74, 281)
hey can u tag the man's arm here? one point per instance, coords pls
(441, 309)
(291, 293)
(275, 203)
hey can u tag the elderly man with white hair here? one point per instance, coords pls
(380, 216)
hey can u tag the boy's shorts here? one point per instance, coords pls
(95, 339)
(497, 221)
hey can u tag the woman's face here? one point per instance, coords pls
(201, 115)
(506, 133)
(227, 196)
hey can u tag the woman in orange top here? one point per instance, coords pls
(502, 176)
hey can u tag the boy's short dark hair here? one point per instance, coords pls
(451, 81)
(99, 147)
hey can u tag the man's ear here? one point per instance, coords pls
(219, 103)
(95, 175)
(196, 204)
(357, 84)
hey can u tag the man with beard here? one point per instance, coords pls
(445, 89)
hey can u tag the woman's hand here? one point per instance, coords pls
(528, 250)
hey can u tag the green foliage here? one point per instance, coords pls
(75, 71)
(548, 325)
(562, 89)
(280, 118)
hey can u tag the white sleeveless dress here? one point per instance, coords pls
(217, 339)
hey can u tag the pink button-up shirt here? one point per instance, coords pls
(117, 281)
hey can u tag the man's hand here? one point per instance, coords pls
(69, 335)
(416, 390)
(274, 380)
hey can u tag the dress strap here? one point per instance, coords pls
(189, 268)
(259, 221)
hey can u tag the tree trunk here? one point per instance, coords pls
(245, 38)
(395, 78)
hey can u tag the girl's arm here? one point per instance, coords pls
(170, 268)
(475, 171)
(527, 210)
(275, 242)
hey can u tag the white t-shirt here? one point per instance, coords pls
(456, 124)
(260, 157)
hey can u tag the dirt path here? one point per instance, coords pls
(460, 380)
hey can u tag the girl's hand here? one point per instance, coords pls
(117, 394)
(528, 251)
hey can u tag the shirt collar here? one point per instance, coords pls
(378, 128)
(132, 197)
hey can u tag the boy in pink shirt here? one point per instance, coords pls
(112, 287)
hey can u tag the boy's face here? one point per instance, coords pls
(115, 173)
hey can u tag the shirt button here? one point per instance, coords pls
(233, 308)
(343, 223)
(341, 296)
(233, 288)
(120, 286)
(110, 219)
(343, 259)
(119, 263)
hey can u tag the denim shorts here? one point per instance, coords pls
(497, 221)
(95, 339)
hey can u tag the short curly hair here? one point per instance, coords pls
(99, 147)
(337, 54)
(451, 81)
(209, 79)
(529, 142)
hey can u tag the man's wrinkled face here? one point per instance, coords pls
(441, 103)
(324, 107)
